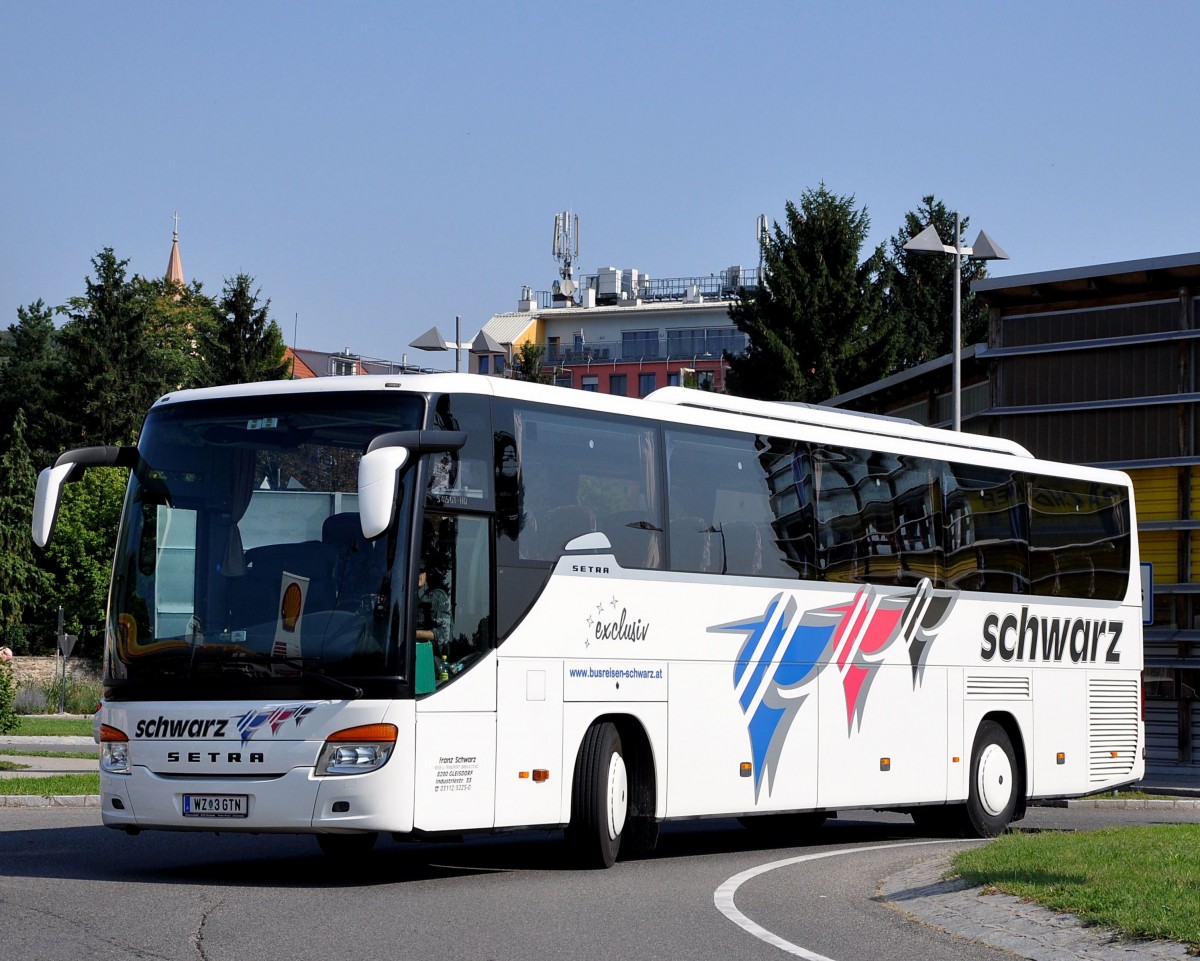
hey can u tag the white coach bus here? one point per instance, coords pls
(438, 604)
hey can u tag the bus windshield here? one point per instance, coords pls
(241, 568)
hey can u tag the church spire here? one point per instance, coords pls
(175, 264)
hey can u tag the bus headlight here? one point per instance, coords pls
(114, 750)
(357, 750)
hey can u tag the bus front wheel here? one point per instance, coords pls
(995, 787)
(599, 798)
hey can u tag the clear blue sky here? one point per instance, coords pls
(381, 167)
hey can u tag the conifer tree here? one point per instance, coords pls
(919, 298)
(244, 344)
(21, 579)
(30, 371)
(814, 323)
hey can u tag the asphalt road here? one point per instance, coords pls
(70, 889)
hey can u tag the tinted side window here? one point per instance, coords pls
(582, 472)
(987, 536)
(1078, 538)
(461, 478)
(788, 468)
(876, 516)
(720, 501)
(917, 507)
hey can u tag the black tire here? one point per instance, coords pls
(599, 798)
(347, 847)
(996, 783)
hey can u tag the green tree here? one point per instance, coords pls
(8, 694)
(814, 323)
(244, 344)
(80, 555)
(528, 365)
(21, 579)
(126, 342)
(919, 291)
(30, 366)
(178, 320)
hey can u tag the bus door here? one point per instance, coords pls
(455, 676)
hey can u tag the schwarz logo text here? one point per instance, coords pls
(181, 727)
(1050, 638)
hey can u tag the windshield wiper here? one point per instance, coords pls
(298, 664)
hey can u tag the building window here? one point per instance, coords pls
(672, 378)
(483, 364)
(646, 384)
(342, 366)
(563, 380)
(499, 363)
(592, 383)
(618, 384)
(639, 344)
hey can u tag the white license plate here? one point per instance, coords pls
(216, 805)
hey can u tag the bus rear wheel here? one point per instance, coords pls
(599, 798)
(995, 787)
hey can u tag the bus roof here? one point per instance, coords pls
(815, 415)
(679, 397)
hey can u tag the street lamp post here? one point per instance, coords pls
(928, 241)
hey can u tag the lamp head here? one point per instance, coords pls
(928, 242)
(985, 248)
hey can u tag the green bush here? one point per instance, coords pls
(29, 699)
(8, 693)
(81, 697)
(16, 637)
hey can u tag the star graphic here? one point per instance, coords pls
(615, 602)
(599, 608)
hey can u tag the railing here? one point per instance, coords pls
(723, 285)
(700, 345)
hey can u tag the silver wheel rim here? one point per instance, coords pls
(618, 788)
(994, 780)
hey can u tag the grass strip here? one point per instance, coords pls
(1141, 881)
(31, 726)
(12, 766)
(18, 752)
(52, 784)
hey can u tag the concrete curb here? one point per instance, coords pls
(1127, 804)
(49, 800)
(1009, 923)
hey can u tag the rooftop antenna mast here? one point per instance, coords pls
(566, 249)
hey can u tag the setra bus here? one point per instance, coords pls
(429, 605)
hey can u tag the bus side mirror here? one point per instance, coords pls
(380, 467)
(45, 502)
(66, 470)
(378, 472)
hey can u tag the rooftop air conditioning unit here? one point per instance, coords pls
(608, 285)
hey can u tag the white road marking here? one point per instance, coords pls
(723, 896)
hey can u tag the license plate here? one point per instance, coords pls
(216, 805)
